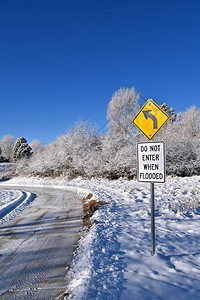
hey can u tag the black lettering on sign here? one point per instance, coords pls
(154, 147)
(152, 167)
(146, 157)
(144, 148)
(148, 176)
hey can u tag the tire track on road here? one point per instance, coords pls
(38, 246)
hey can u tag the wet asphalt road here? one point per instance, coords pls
(36, 247)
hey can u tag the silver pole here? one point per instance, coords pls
(152, 219)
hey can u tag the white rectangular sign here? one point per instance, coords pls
(151, 162)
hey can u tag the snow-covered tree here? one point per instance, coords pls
(37, 146)
(80, 152)
(71, 154)
(21, 149)
(2, 159)
(186, 127)
(83, 145)
(190, 123)
(182, 138)
(170, 111)
(121, 110)
(6, 145)
(117, 157)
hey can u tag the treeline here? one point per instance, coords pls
(82, 152)
(13, 152)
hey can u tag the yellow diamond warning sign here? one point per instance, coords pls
(150, 119)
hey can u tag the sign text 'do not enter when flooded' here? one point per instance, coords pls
(151, 162)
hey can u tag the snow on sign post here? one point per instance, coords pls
(151, 156)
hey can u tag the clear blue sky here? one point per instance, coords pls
(61, 61)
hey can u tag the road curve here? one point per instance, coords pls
(36, 247)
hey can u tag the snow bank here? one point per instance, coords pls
(114, 260)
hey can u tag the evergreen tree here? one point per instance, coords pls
(170, 111)
(21, 149)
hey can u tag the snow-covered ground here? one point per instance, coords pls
(113, 260)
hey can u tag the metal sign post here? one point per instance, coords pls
(153, 243)
(151, 168)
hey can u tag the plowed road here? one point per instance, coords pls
(36, 247)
